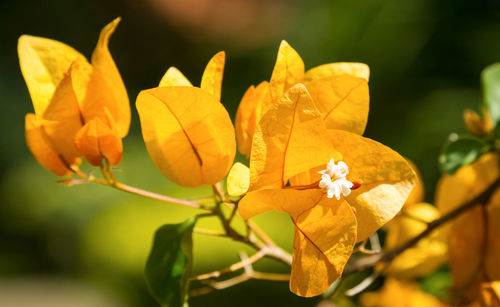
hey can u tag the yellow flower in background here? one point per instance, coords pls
(490, 294)
(476, 125)
(427, 255)
(474, 248)
(187, 131)
(68, 93)
(339, 92)
(331, 212)
(395, 293)
(430, 252)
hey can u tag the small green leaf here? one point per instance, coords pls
(460, 151)
(490, 78)
(169, 264)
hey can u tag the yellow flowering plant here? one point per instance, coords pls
(81, 109)
(302, 132)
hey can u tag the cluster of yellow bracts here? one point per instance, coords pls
(81, 108)
(290, 127)
(468, 244)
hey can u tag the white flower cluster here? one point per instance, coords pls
(333, 179)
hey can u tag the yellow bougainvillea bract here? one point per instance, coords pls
(68, 93)
(339, 91)
(427, 255)
(187, 131)
(430, 252)
(238, 180)
(397, 293)
(490, 293)
(473, 237)
(291, 139)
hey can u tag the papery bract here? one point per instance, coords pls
(490, 293)
(211, 81)
(174, 77)
(188, 134)
(430, 252)
(103, 62)
(291, 139)
(238, 180)
(396, 293)
(187, 131)
(292, 124)
(427, 255)
(473, 236)
(43, 150)
(68, 92)
(43, 63)
(359, 70)
(253, 104)
(339, 91)
(97, 140)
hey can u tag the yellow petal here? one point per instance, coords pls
(427, 255)
(211, 80)
(290, 139)
(474, 254)
(491, 294)
(238, 180)
(343, 102)
(466, 248)
(324, 238)
(243, 122)
(96, 140)
(325, 232)
(290, 201)
(188, 134)
(95, 98)
(359, 70)
(62, 119)
(474, 123)
(43, 63)
(42, 149)
(417, 194)
(174, 77)
(467, 182)
(104, 63)
(387, 180)
(288, 71)
(249, 112)
(397, 293)
(493, 244)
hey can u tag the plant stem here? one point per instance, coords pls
(208, 232)
(266, 248)
(248, 274)
(136, 191)
(234, 267)
(164, 198)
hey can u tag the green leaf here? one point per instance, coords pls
(169, 264)
(461, 151)
(490, 79)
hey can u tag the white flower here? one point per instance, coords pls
(333, 180)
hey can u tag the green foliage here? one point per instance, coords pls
(490, 79)
(169, 263)
(461, 151)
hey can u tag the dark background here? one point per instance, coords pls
(87, 245)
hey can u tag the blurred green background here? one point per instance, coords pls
(87, 245)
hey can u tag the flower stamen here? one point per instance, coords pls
(333, 180)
